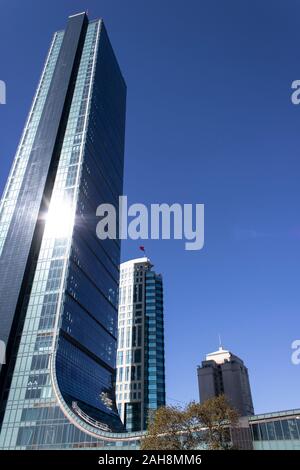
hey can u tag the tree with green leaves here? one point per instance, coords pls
(205, 425)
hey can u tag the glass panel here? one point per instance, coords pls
(271, 431)
(293, 429)
(298, 424)
(285, 428)
(263, 431)
(278, 430)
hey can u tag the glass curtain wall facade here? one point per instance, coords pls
(58, 281)
(140, 386)
(154, 354)
(276, 431)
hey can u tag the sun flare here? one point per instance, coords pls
(60, 218)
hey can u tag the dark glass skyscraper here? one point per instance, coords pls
(58, 281)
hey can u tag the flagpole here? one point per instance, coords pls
(142, 248)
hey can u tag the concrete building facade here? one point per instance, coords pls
(224, 373)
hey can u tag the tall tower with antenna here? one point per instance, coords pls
(225, 373)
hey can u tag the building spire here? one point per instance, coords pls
(220, 342)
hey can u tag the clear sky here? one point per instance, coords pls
(209, 120)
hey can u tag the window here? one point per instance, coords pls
(298, 424)
(25, 436)
(120, 358)
(278, 430)
(120, 374)
(121, 337)
(285, 428)
(263, 431)
(40, 362)
(255, 432)
(35, 384)
(137, 355)
(31, 414)
(293, 429)
(271, 431)
(128, 357)
(128, 338)
(43, 342)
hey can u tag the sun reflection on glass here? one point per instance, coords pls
(60, 218)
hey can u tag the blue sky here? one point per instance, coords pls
(209, 120)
